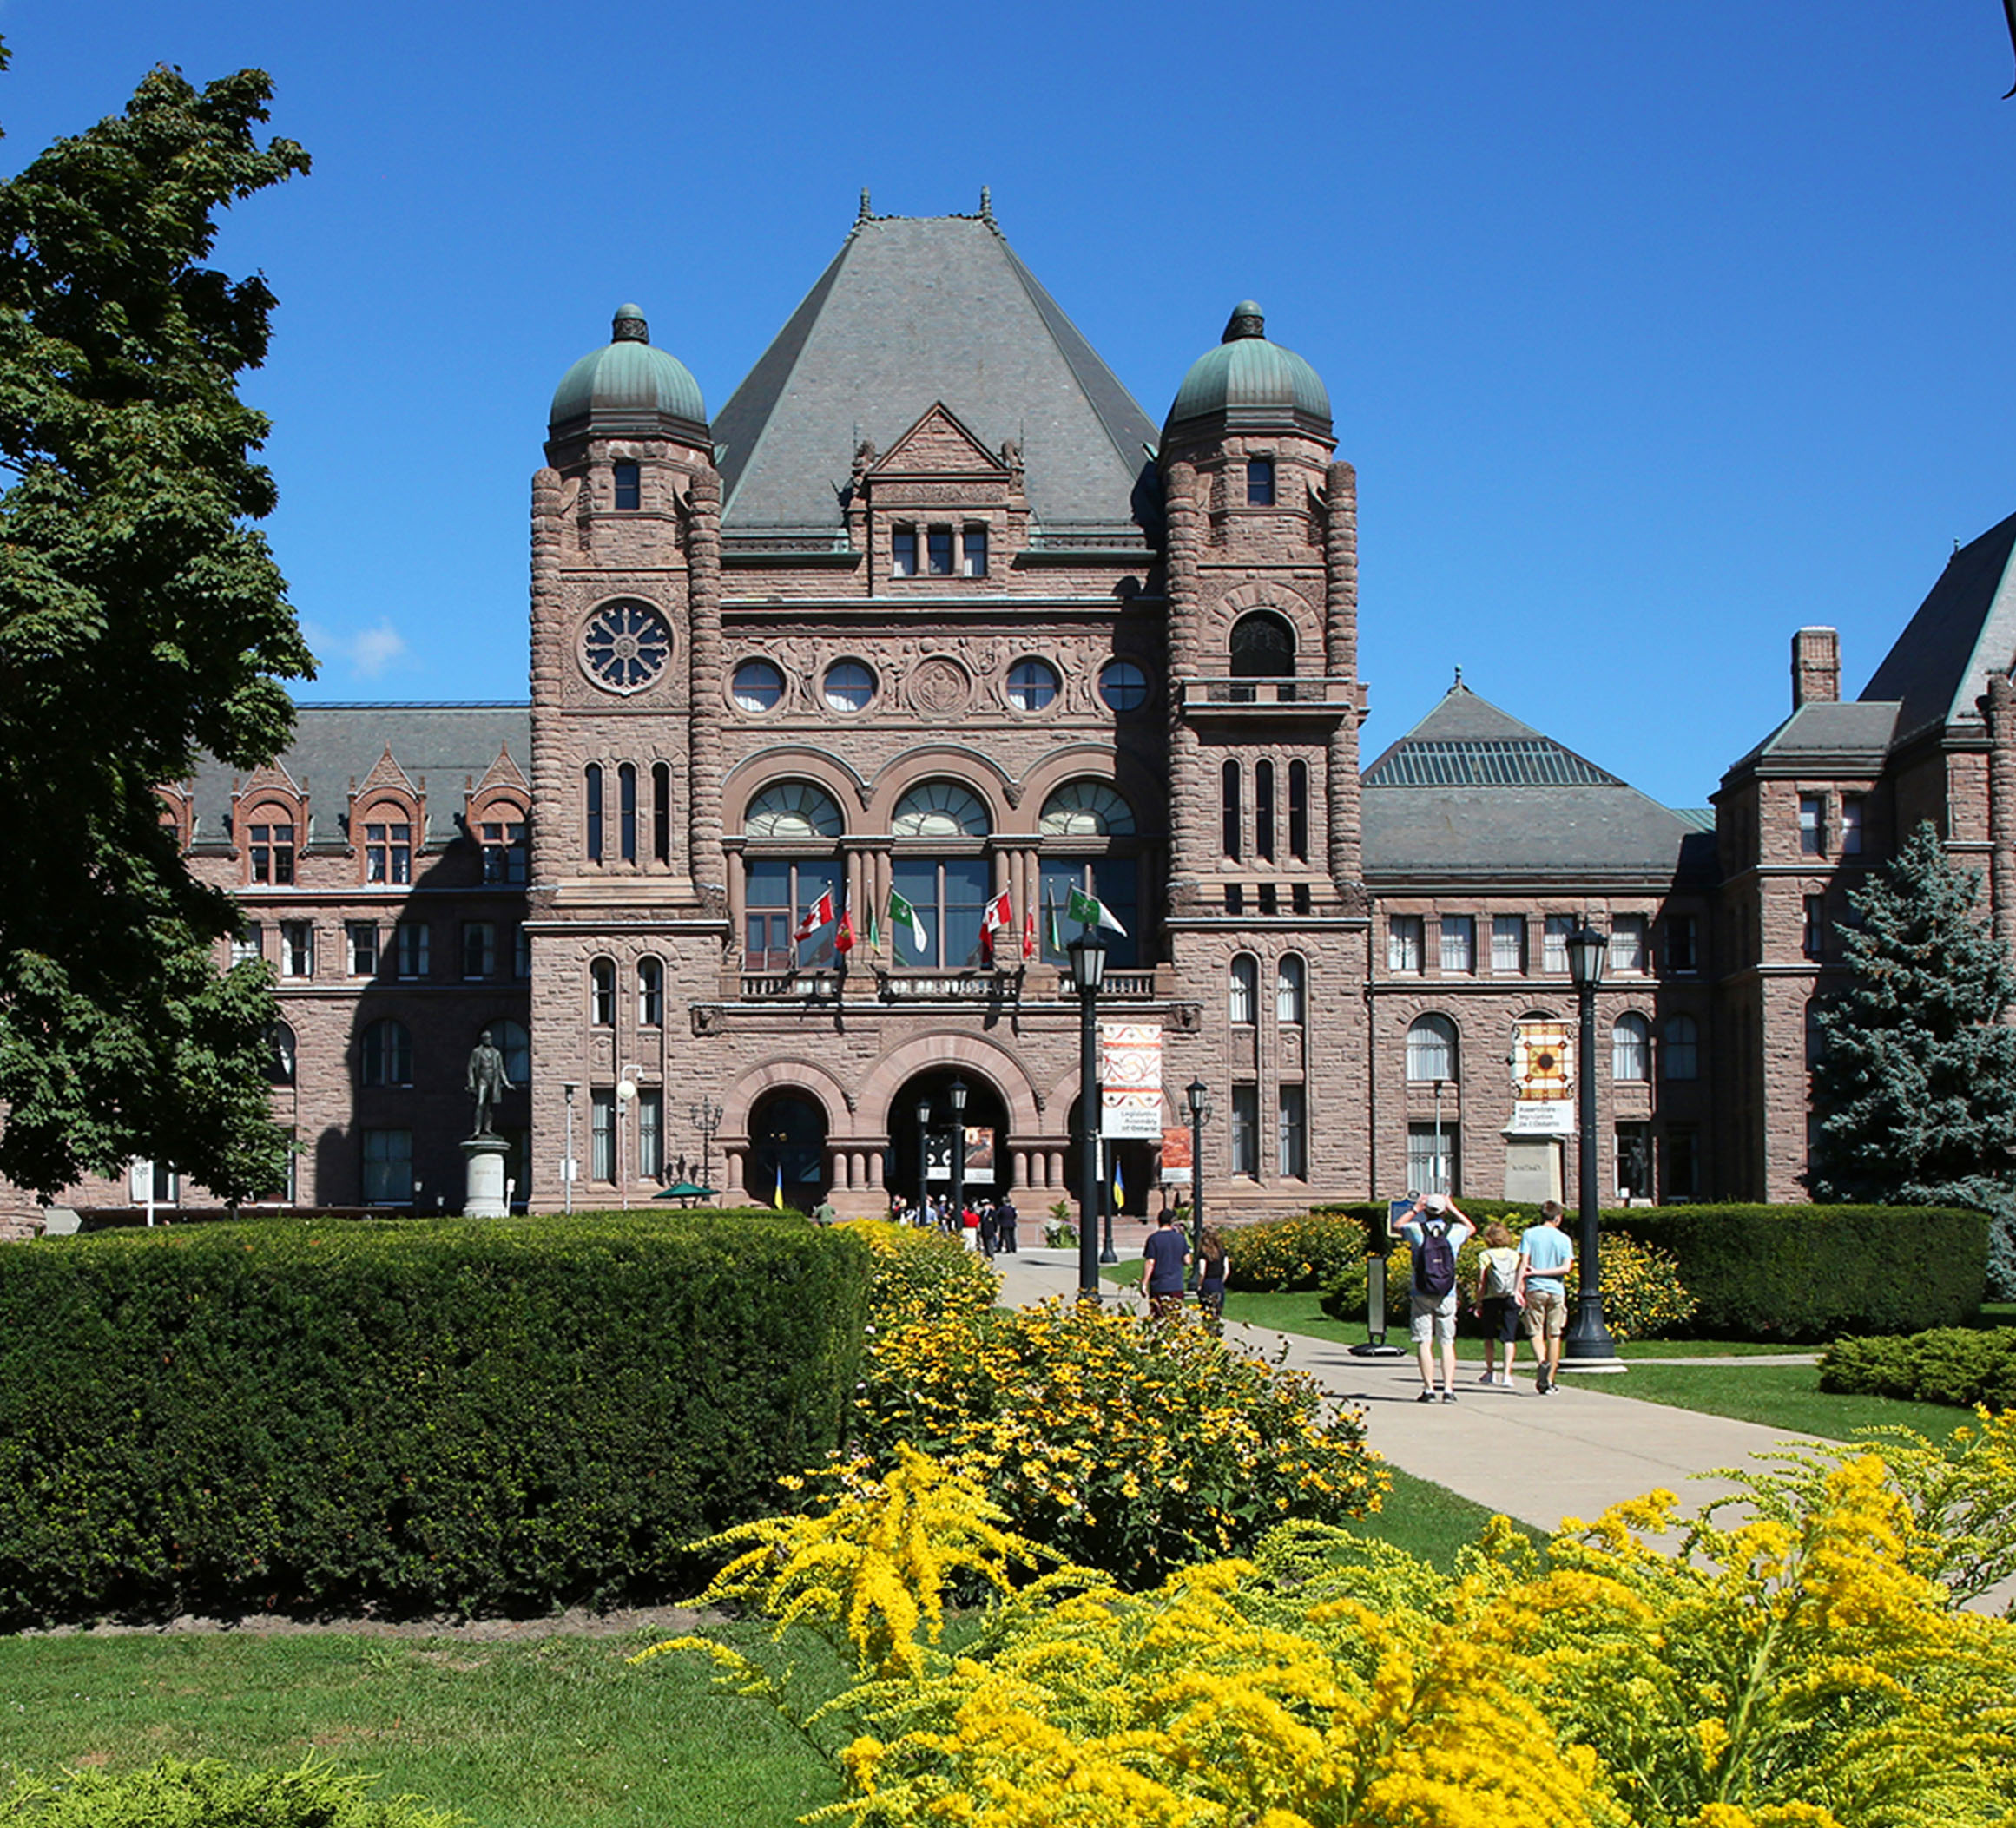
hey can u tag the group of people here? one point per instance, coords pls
(986, 1225)
(1522, 1288)
(1165, 1257)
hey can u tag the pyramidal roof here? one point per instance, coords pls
(1467, 741)
(1963, 631)
(914, 312)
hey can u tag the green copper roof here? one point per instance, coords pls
(1247, 374)
(627, 381)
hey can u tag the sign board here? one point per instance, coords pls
(1175, 1157)
(1130, 1107)
(1542, 1061)
(937, 1147)
(1533, 1117)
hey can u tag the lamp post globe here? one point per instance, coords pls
(1588, 1346)
(1088, 955)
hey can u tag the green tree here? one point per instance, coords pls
(1918, 1081)
(142, 620)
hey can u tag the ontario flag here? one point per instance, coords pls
(998, 915)
(1028, 935)
(820, 914)
(843, 935)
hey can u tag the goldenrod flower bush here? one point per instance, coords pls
(1799, 1666)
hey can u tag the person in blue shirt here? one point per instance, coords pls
(1433, 1318)
(1541, 1284)
(1163, 1261)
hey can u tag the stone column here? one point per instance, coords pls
(553, 834)
(1340, 658)
(1999, 709)
(1190, 814)
(707, 674)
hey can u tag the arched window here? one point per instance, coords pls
(1298, 810)
(1244, 1001)
(627, 812)
(1290, 989)
(1630, 1049)
(602, 993)
(1263, 810)
(650, 993)
(661, 813)
(1264, 647)
(1431, 1049)
(592, 781)
(1680, 1056)
(792, 809)
(388, 842)
(516, 1045)
(269, 849)
(501, 828)
(386, 1055)
(1087, 808)
(941, 809)
(281, 1055)
(1230, 817)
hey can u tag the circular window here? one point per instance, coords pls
(758, 686)
(849, 685)
(625, 647)
(1032, 685)
(1123, 685)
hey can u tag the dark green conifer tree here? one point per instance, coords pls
(1917, 1085)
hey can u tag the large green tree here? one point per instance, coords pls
(142, 620)
(1917, 1084)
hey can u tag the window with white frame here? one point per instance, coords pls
(272, 851)
(602, 993)
(1244, 999)
(1812, 926)
(1627, 945)
(1851, 825)
(1459, 945)
(1431, 1157)
(602, 1133)
(1293, 1137)
(1403, 943)
(1812, 825)
(1630, 1049)
(1431, 1049)
(1290, 990)
(1680, 1050)
(249, 945)
(650, 993)
(297, 949)
(1554, 943)
(1508, 945)
(362, 938)
(507, 857)
(973, 552)
(650, 1134)
(385, 1053)
(388, 851)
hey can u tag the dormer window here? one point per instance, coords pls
(1260, 482)
(973, 553)
(903, 552)
(629, 489)
(939, 550)
(273, 854)
(388, 852)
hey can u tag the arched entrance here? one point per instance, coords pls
(988, 1170)
(786, 1150)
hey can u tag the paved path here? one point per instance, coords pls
(1537, 1458)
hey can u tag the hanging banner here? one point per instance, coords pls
(1543, 1060)
(1130, 1107)
(979, 1157)
(1175, 1155)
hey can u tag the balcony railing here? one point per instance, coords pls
(1036, 984)
(1333, 695)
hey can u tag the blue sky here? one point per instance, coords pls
(1654, 332)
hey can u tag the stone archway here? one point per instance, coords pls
(787, 1160)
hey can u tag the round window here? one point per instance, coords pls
(758, 686)
(849, 685)
(1032, 685)
(625, 647)
(1123, 685)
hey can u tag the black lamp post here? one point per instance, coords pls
(923, 1158)
(956, 1096)
(1088, 957)
(1199, 1094)
(1588, 1338)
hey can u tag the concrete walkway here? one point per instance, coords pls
(1540, 1459)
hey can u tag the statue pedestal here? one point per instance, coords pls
(485, 1156)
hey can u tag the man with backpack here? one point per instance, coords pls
(1434, 1230)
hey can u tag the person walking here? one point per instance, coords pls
(1005, 1218)
(1541, 1287)
(1497, 1269)
(1163, 1262)
(1435, 1229)
(1213, 1261)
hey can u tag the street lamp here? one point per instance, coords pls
(1088, 957)
(1199, 1094)
(566, 1164)
(626, 1094)
(706, 1116)
(1588, 1342)
(956, 1096)
(923, 1158)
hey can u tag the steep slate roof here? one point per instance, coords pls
(1471, 791)
(336, 744)
(1859, 731)
(1963, 631)
(913, 311)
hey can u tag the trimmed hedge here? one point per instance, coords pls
(211, 1794)
(1803, 1273)
(418, 1416)
(1948, 1364)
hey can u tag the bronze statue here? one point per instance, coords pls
(487, 1081)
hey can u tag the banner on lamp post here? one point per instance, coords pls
(1131, 1104)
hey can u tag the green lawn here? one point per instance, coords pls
(1429, 1521)
(515, 1735)
(1777, 1396)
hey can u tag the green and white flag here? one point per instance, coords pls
(899, 913)
(1090, 911)
(1057, 944)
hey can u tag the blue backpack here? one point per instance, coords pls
(1434, 1262)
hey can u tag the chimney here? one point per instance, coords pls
(1816, 668)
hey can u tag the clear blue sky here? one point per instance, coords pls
(1653, 331)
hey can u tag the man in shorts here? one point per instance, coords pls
(1163, 1260)
(1541, 1283)
(1433, 1315)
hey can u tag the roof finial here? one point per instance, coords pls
(1246, 321)
(629, 326)
(1458, 687)
(863, 216)
(987, 205)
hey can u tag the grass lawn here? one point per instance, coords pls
(515, 1735)
(1430, 1520)
(1777, 1396)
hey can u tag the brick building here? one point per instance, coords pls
(931, 609)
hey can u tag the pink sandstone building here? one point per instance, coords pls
(929, 614)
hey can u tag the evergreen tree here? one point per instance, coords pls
(142, 620)
(1918, 1083)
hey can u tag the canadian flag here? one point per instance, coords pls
(998, 915)
(820, 914)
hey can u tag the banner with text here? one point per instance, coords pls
(1130, 1106)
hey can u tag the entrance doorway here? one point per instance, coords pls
(1129, 1168)
(787, 1151)
(987, 1168)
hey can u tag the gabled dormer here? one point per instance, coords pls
(269, 825)
(497, 815)
(387, 821)
(939, 510)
